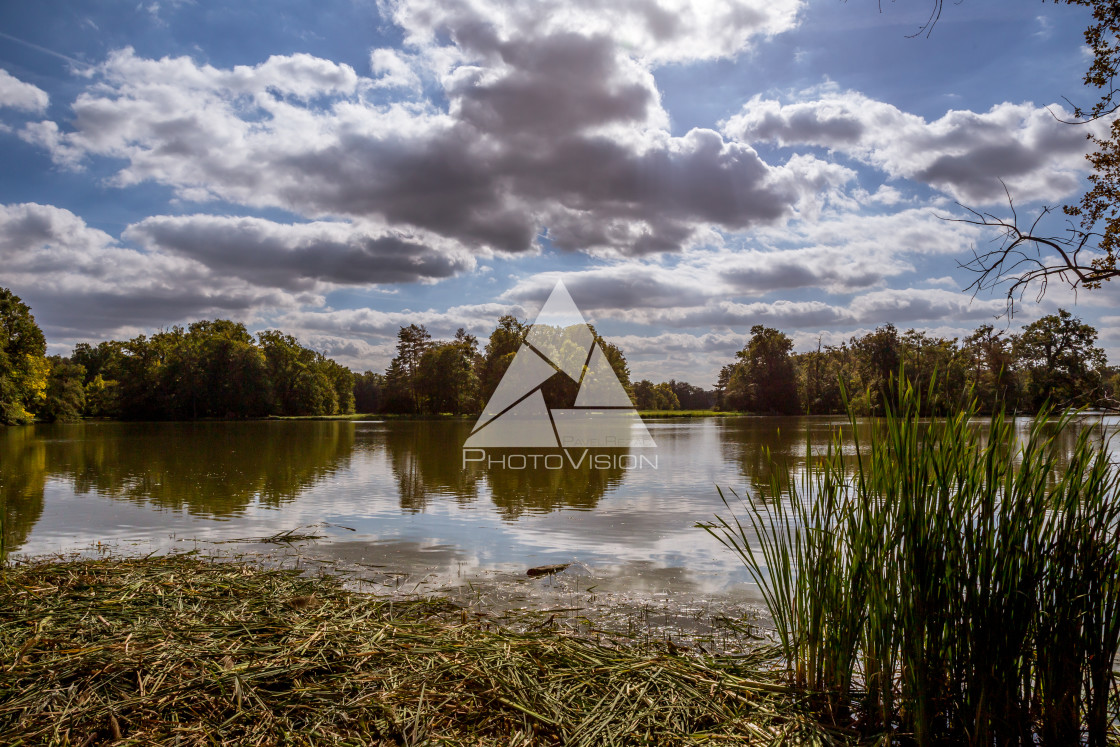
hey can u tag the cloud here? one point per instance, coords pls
(16, 94)
(392, 70)
(550, 128)
(654, 31)
(81, 282)
(964, 153)
(302, 256)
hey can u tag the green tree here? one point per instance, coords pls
(650, 396)
(823, 377)
(446, 375)
(342, 382)
(691, 397)
(1063, 364)
(299, 381)
(23, 363)
(500, 349)
(992, 369)
(764, 379)
(66, 397)
(412, 342)
(879, 356)
(369, 396)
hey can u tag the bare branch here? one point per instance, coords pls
(1023, 258)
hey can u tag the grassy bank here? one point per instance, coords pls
(179, 650)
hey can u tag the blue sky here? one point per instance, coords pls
(690, 168)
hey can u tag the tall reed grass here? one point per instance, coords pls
(942, 584)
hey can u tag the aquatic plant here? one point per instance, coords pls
(941, 582)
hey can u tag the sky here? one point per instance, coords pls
(689, 168)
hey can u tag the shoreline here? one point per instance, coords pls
(180, 647)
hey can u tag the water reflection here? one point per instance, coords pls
(23, 477)
(427, 463)
(209, 469)
(395, 480)
(768, 448)
(424, 456)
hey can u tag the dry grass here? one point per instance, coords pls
(180, 650)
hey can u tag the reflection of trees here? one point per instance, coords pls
(23, 475)
(206, 468)
(426, 459)
(769, 447)
(516, 492)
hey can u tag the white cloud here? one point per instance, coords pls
(556, 130)
(81, 282)
(303, 256)
(964, 153)
(655, 31)
(391, 69)
(16, 94)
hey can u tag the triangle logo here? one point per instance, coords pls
(559, 344)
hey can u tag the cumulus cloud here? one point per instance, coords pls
(302, 256)
(81, 282)
(391, 69)
(16, 94)
(964, 153)
(655, 31)
(553, 126)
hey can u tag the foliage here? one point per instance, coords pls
(369, 392)
(1055, 358)
(650, 396)
(763, 378)
(1084, 253)
(211, 369)
(66, 395)
(948, 582)
(1061, 362)
(23, 364)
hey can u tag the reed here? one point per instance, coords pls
(942, 583)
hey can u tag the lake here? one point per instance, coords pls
(393, 497)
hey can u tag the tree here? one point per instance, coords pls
(992, 369)
(412, 341)
(764, 379)
(23, 364)
(1063, 364)
(299, 383)
(1083, 254)
(65, 396)
(650, 396)
(879, 355)
(824, 375)
(691, 397)
(500, 349)
(369, 396)
(446, 376)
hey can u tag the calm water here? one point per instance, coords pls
(393, 495)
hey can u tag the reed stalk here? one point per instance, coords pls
(945, 583)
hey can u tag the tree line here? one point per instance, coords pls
(210, 369)
(1055, 359)
(217, 369)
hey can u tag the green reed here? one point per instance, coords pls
(939, 584)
